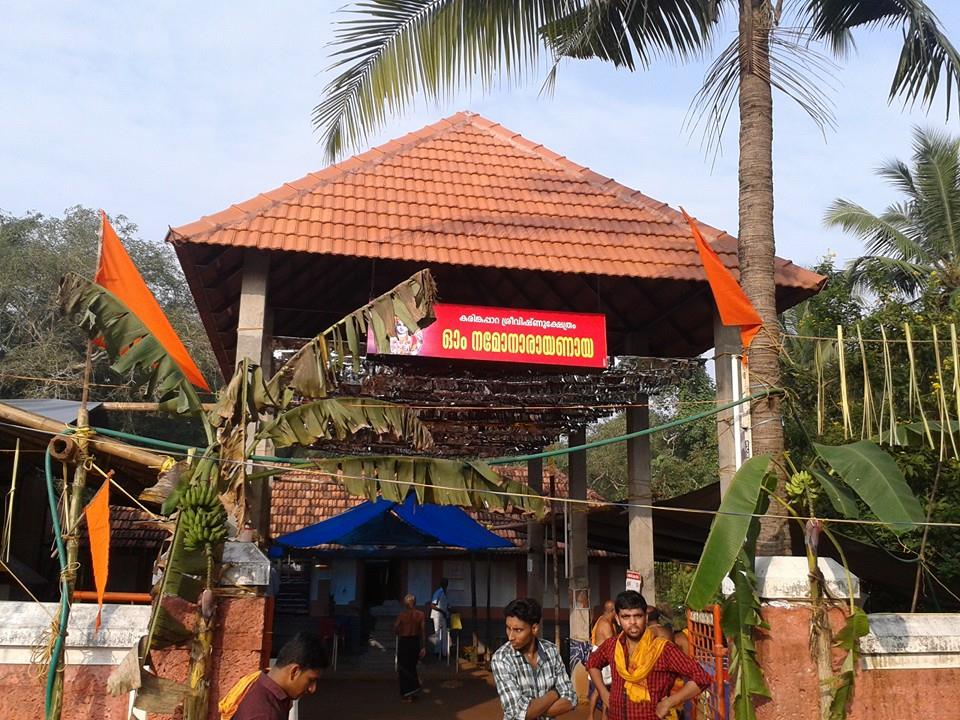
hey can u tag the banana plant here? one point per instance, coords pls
(847, 475)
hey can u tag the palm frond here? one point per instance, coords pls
(388, 51)
(339, 418)
(937, 201)
(629, 33)
(131, 347)
(314, 369)
(794, 68)
(876, 273)
(898, 174)
(433, 480)
(884, 234)
(926, 57)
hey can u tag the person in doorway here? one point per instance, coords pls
(410, 628)
(440, 615)
(605, 627)
(269, 696)
(645, 667)
(529, 673)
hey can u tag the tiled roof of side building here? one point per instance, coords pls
(302, 499)
(467, 191)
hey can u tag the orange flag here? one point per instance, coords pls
(97, 513)
(119, 275)
(732, 303)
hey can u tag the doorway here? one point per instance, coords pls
(381, 582)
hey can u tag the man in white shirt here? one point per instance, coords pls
(440, 615)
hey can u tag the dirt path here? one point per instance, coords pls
(470, 697)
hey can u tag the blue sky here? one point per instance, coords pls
(168, 111)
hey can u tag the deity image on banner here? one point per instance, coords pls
(406, 343)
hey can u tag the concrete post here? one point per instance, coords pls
(727, 346)
(254, 327)
(535, 559)
(252, 316)
(579, 582)
(640, 519)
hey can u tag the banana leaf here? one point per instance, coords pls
(314, 370)
(848, 639)
(434, 480)
(132, 348)
(874, 476)
(730, 530)
(838, 495)
(740, 617)
(339, 418)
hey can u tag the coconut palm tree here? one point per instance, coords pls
(916, 239)
(391, 50)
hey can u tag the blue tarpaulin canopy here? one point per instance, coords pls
(382, 522)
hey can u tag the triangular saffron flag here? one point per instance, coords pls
(97, 513)
(119, 275)
(732, 303)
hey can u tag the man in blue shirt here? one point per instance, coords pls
(531, 679)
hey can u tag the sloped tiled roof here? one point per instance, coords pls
(467, 191)
(130, 528)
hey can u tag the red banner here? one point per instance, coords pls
(542, 337)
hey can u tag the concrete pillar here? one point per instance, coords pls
(579, 582)
(535, 560)
(254, 329)
(727, 347)
(253, 315)
(640, 519)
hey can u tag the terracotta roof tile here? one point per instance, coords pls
(467, 191)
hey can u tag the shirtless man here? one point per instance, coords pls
(605, 627)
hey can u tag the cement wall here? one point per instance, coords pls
(910, 667)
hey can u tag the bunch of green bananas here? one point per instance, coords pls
(800, 483)
(203, 516)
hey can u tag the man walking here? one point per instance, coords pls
(531, 679)
(269, 696)
(645, 667)
(440, 615)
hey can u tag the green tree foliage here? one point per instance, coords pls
(42, 352)
(684, 458)
(913, 284)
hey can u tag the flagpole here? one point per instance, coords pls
(75, 497)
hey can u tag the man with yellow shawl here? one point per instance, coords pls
(645, 667)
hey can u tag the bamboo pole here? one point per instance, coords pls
(844, 400)
(73, 519)
(141, 406)
(114, 448)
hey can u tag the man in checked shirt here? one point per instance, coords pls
(645, 667)
(531, 679)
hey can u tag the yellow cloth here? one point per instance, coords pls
(231, 701)
(642, 660)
